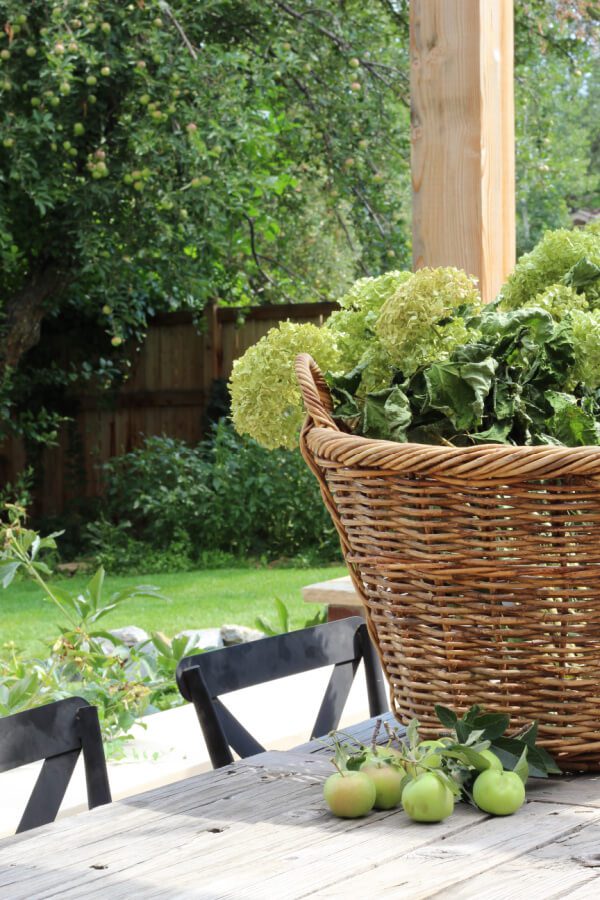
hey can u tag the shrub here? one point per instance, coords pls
(170, 506)
(162, 489)
(265, 501)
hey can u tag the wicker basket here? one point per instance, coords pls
(479, 569)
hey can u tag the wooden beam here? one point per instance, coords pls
(462, 112)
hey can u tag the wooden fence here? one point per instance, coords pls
(167, 393)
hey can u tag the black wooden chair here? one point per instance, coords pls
(56, 733)
(343, 644)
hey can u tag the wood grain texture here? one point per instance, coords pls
(259, 829)
(462, 137)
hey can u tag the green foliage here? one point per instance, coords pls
(283, 625)
(222, 501)
(556, 100)
(161, 489)
(507, 384)
(559, 300)
(353, 326)
(265, 396)
(423, 320)
(114, 546)
(19, 492)
(548, 264)
(437, 367)
(157, 157)
(586, 339)
(478, 729)
(75, 660)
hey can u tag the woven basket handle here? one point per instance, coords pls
(315, 392)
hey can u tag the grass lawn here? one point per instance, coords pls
(201, 599)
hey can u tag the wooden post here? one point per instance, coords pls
(462, 111)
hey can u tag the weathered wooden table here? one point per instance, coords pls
(338, 594)
(258, 830)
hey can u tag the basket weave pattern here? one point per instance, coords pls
(479, 569)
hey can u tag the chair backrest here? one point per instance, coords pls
(204, 677)
(56, 733)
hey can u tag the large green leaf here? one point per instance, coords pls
(582, 274)
(447, 717)
(387, 414)
(570, 423)
(492, 725)
(495, 434)
(459, 390)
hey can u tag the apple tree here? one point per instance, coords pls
(161, 156)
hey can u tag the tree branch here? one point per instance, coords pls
(370, 210)
(24, 311)
(256, 257)
(346, 47)
(167, 9)
(294, 275)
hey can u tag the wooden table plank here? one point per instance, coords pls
(260, 829)
(552, 871)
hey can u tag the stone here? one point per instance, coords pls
(146, 648)
(130, 634)
(239, 634)
(201, 638)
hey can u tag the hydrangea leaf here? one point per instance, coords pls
(387, 414)
(582, 274)
(459, 390)
(571, 424)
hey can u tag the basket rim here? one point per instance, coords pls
(490, 461)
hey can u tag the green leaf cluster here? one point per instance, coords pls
(551, 262)
(506, 386)
(522, 370)
(478, 729)
(76, 659)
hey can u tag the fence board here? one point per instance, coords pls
(167, 393)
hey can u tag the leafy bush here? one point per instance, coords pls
(265, 501)
(113, 545)
(162, 489)
(19, 491)
(170, 506)
(123, 682)
(75, 662)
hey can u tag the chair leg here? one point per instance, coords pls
(96, 774)
(376, 685)
(212, 729)
(48, 791)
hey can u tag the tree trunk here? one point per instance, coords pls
(23, 314)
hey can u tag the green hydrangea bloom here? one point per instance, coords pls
(586, 334)
(559, 300)
(408, 322)
(354, 324)
(266, 402)
(548, 263)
